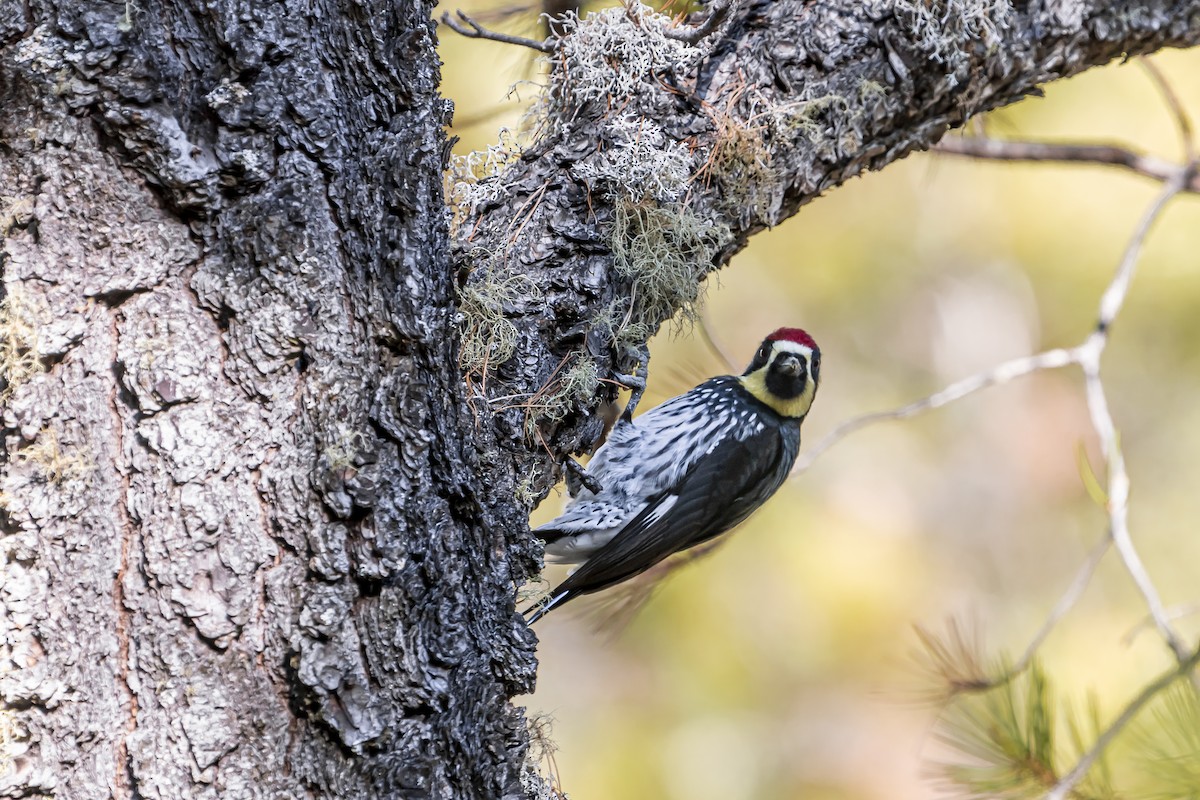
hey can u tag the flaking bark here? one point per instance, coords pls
(259, 538)
(247, 548)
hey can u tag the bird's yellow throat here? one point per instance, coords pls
(756, 384)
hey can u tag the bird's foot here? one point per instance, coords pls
(577, 477)
(635, 383)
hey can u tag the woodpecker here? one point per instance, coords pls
(685, 471)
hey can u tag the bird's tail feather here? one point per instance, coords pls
(540, 609)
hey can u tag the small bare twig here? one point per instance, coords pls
(694, 35)
(1182, 122)
(1087, 356)
(477, 31)
(1090, 353)
(1000, 374)
(1176, 612)
(1065, 603)
(1112, 155)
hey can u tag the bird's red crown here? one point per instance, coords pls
(796, 335)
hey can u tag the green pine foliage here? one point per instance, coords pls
(1167, 746)
(1008, 735)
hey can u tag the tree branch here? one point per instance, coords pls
(693, 35)
(778, 104)
(985, 147)
(1065, 603)
(996, 376)
(1089, 354)
(1182, 122)
(477, 31)
(1107, 154)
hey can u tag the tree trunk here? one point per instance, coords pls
(248, 550)
(259, 538)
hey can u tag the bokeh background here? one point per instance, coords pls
(781, 666)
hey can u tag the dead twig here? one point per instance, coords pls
(477, 31)
(1065, 603)
(1090, 353)
(1000, 374)
(694, 35)
(1182, 122)
(1108, 154)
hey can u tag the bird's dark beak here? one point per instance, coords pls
(789, 365)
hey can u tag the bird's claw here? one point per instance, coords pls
(635, 383)
(577, 477)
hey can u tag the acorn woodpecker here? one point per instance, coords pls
(685, 471)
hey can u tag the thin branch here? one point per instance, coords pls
(1065, 603)
(694, 35)
(1090, 353)
(1111, 155)
(1000, 374)
(1177, 612)
(1087, 356)
(477, 31)
(1182, 122)
(1063, 788)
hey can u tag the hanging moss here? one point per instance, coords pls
(487, 337)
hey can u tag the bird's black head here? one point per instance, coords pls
(785, 372)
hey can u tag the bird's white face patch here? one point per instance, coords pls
(792, 348)
(756, 382)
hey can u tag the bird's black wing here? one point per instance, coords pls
(720, 491)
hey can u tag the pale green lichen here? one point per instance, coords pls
(19, 356)
(539, 774)
(657, 242)
(639, 162)
(869, 90)
(665, 251)
(346, 448)
(564, 392)
(600, 68)
(610, 54)
(529, 487)
(739, 164)
(487, 337)
(812, 118)
(56, 464)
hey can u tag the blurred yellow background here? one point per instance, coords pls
(777, 667)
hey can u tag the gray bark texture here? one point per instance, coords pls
(259, 537)
(249, 547)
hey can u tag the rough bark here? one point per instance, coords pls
(247, 550)
(259, 538)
